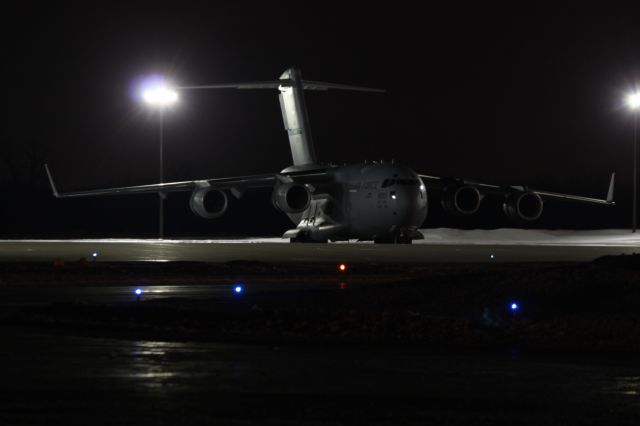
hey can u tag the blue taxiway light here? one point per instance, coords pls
(238, 289)
(138, 291)
(514, 306)
(94, 254)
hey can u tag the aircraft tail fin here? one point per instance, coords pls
(293, 107)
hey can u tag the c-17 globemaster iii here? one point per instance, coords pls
(383, 202)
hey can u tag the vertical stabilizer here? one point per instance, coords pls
(295, 117)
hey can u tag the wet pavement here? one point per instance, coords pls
(57, 378)
(76, 348)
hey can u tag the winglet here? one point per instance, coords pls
(53, 186)
(611, 185)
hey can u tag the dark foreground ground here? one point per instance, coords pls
(305, 344)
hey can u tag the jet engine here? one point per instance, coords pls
(461, 200)
(523, 206)
(291, 197)
(209, 203)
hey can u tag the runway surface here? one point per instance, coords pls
(439, 245)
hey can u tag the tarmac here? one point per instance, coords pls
(439, 246)
(61, 365)
(57, 379)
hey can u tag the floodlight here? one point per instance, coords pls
(155, 90)
(633, 100)
(160, 96)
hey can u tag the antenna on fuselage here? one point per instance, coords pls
(293, 106)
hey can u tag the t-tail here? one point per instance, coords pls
(294, 109)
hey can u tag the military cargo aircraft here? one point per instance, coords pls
(383, 202)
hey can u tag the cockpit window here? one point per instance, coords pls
(404, 182)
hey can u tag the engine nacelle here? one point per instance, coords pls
(291, 197)
(209, 203)
(461, 200)
(523, 206)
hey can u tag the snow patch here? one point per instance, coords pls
(448, 236)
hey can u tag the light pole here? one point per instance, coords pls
(160, 96)
(633, 102)
(635, 171)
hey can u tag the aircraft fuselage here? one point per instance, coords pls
(381, 202)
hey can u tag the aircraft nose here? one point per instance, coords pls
(407, 203)
(404, 198)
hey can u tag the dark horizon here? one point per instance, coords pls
(533, 98)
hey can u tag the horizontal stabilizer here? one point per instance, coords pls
(293, 106)
(251, 85)
(276, 84)
(319, 85)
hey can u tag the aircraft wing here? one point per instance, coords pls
(484, 188)
(236, 184)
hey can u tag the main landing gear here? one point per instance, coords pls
(396, 239)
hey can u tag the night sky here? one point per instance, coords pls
(531, 97)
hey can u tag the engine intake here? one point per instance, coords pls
(523, 206)
(291, 197)
(209, 203)
(461, 200)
